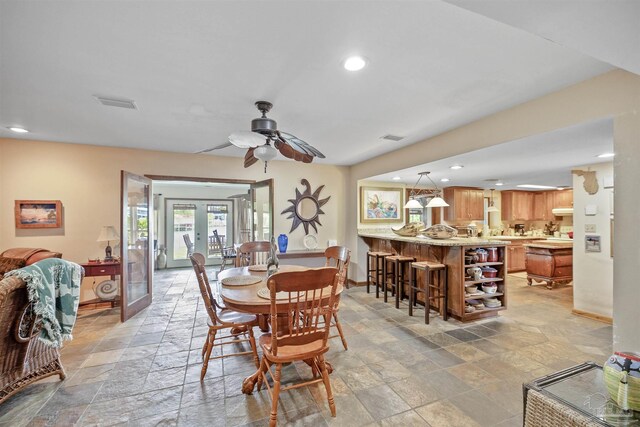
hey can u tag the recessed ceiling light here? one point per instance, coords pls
(536, 186)
(559, 188)
(456, 167)
(606, 155)
(18, 129)
(355, 63)
(444, 180)
(396, 178)
(499, 183)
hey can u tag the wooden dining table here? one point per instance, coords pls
(245, 299)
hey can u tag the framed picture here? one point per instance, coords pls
(592, 243)
(380, 205)
(38, 214)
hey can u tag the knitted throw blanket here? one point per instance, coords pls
(53, 287)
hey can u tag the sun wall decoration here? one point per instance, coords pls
(306, 209)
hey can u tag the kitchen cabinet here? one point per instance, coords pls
(516, 205)
(540, 212)
(562, 198)
(465, 204)
(516, 258)
(549, 262)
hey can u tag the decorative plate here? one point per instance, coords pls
(258, 267)
(266, 294)
(310, 241)
(240, 280)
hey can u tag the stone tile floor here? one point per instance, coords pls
(397, 371)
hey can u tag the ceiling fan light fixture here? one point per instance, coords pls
(354, 63)
(265, 153)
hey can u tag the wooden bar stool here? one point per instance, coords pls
(376, 269)
(440, 285)
(398, 274)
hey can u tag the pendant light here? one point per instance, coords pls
(435, 202)
(492, 207)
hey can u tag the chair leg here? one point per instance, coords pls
(427, 298)
(412, 283)
(264, 367)
(252, 342)
(327, 385)
(339, 327)
(211, 336)
(275, 396)
(368, 272)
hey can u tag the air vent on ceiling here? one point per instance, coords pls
(390, 137)
(115, 102)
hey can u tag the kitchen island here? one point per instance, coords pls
(549, 262)
(450, 252)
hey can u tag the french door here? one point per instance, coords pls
(136, 285)
(262, 206)
(197, 218)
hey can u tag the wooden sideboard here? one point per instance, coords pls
(549, 262)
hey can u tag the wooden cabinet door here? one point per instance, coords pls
(461, 200)
(540, 206)
(516, 258)
(476, 204)
(550, 204)
(522, 205)
(563, 199)
(506, 205)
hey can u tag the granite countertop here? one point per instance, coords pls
(455, 241)
(549, 245)
(517, 238)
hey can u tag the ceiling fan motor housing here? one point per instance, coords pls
(264, 125)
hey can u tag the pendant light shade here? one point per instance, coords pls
(492, 207)
(413, 204)
(437, 202)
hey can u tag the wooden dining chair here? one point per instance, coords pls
(339, 257)
(252, 253)
(228, 254)
(222, 318)
(299, 329)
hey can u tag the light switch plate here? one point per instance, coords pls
(591, 210)
(589, 228)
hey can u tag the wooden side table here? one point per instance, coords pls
(99, 269)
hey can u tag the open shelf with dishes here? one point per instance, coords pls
(480, 289)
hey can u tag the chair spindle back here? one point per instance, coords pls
(198, 260)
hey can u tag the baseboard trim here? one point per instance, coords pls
(352, 282)
(593, 316)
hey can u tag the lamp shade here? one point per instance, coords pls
(413, 204)
(492, 209)
(107, 234)
(265, 153)
(437, 202)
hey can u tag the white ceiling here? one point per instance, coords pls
(195, 69)
(545, 159)
(604, 29)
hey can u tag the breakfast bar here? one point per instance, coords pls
(454, 253)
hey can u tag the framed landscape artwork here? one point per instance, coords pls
(380, 205)
(38, 214)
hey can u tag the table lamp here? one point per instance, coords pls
(107, 234)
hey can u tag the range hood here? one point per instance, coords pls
(562, 211)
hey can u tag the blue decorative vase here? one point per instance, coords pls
(283, 242)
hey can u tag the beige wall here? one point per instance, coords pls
(87, 181)
(614, 94)
(593, 271)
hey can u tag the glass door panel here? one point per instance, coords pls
(262, 203)
(197, 219)
(136, 283)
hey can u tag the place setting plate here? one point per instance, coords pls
(266, 294)
(258, 267)
(240, 280)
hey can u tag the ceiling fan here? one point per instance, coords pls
(258, 142)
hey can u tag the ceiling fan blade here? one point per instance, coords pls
(247, 139)
(300, 145)
(291, 153)
(218, 147)
(249, 158)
